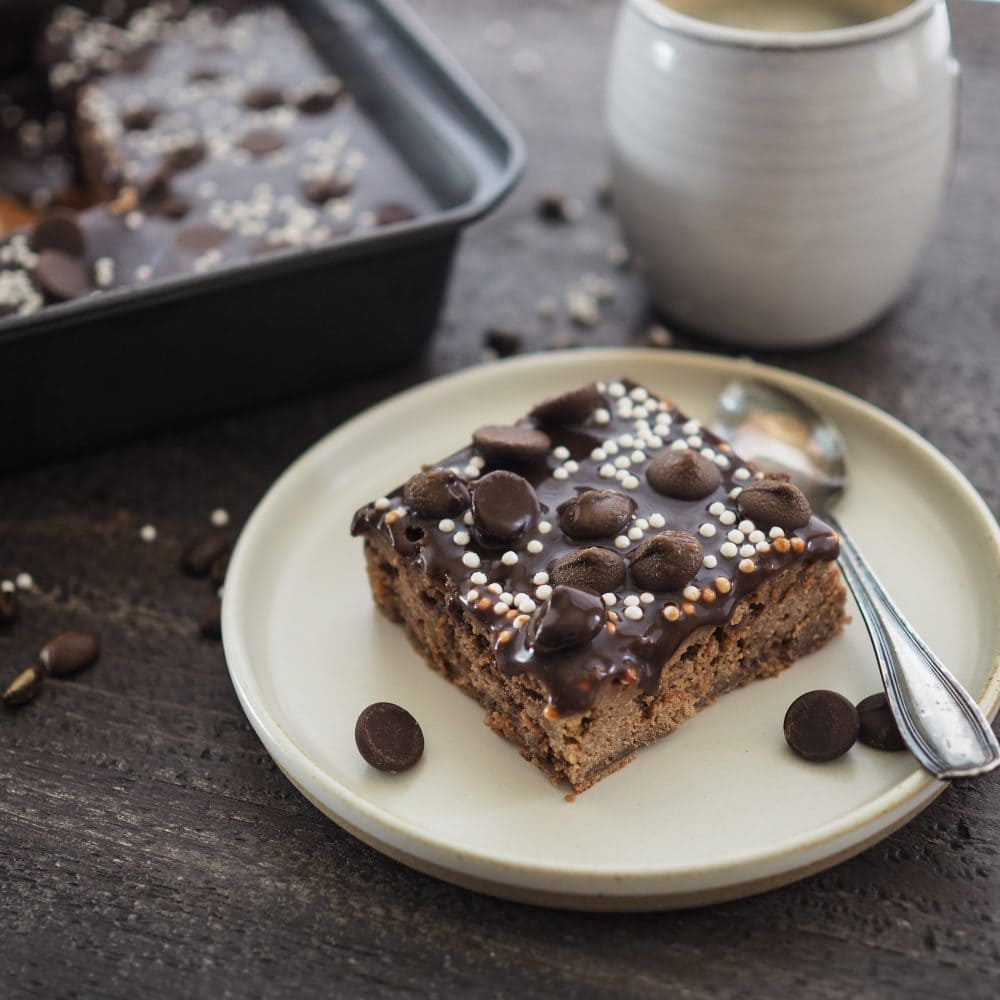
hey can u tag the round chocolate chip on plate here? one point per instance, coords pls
(201, 237)
(596, 514)
(593, 568)
(388, 737)
(436, 493)
(392, 212)
(69, 652)
(504, 505)
(504, 444)
(201, 552)
(261, 141)
(320, 190)
(774, 503)
(683, 475)
(171, 206)
(58, 230)
(184, 157)
(877, 727)
(570, 617)
(571, 407)
(60, 276)
(319, 97)
(140, 117)
(263, 98)
(821, 725)
(25, 687)
(667, 561)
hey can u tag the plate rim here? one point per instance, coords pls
(917, 790)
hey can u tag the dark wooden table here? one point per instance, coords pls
(148, 846)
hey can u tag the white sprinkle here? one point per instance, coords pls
(717, 508)
(692, 593)
(544, 592)
(507, 597)
(446, 525)
(616, 390)
(535, 546)
(501, 608)
(471, 560)
(606, 471)
(706, 530)
(621, 542)
(598, 454)
(695, 441)
(708, 453)
(728, 550)
(763, 548)
(467, 518)
(626, 440)
(539, 578)
(646, 597)
(610, 599)
(148, 532)
(710, 562)
(509, 558)
(679, 445)
(735, 492)
(631, 601)
(630, 483)
(736, 536)
(611, 447)
(520, 621)
(479, 579)
(399, 511)
(601, 416)
(657, 520)
(755, 536)
(747, 550)
(621, 474)
(220, 517)
(652, 441)
(671, 613)
(560, 473)
(470, 472)
(635, 532)
(642, 524)
(571, 466)
(691, 427)
(382, 503)
(639, 394)
(746, 526)
(741, 474)
(746, 566)
(24, 581)
(638, 456)
(460, 538)
(727, 517)
(471, 597)
(525, 604)
(633, 614)
(561, 453)
(544, 527)
(721, 461)
(777, 532)
(623, 461)
(495, 588)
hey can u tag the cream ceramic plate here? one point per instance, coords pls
(721, 808)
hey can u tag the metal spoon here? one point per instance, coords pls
(942, 726)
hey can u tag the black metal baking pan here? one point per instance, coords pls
(126, 362)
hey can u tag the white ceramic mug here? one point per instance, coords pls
(776, 188)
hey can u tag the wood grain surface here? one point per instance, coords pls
(148, 846)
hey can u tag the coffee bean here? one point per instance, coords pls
(261, 141)
(554, 206)
(666, 561)
(821, 725)
(263, 98)
(388, 737)
(593, 568)
(201, 552)
(392, 212)
(60, 276)
(320, 97)
(877, 726)
(140, 118)
(200, 237)
(69, 652)
(184, 157)
(23, 688)
(773, 503)
(58, 230)
(210, 620)
(436, 493)
(219, 569)
(504, 506)
(320, 190)
(570, 617)
(8, 606)
(503, 444)
(683, 475)
(596, 514)
(504, 340)
(571, 407)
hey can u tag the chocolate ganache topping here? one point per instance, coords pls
(578, 558)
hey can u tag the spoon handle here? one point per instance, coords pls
(942, 726)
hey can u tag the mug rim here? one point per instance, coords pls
(665, 17)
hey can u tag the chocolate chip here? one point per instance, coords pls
(263, 98)
(596, 514)
(69, 652)
(772, 503)
(388, 737)
(261, 141)
(210, 620)
(219, 568)
(201, 552)
(140, 118)
(683, 475)
(877, 727)
(60, 276)
(391, 212)
(571, 407)
(23, 688)
(201, 237)
(320, 97)
(503, 340)
(504, 444)
(436, 493)
(594, 568)
(570, 617)
(504, 505)
(554, 206)
(152, 188)
(666, 561)
(821, 725)
(8, 606)
(184, 157)
(320, 190)
(58, 230)
(171, 206)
